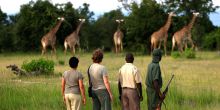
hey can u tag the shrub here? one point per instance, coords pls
(189, 53)
(41, 66)
(61, 62)
(175, 54)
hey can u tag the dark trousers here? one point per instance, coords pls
(130, 99)
(101, 100)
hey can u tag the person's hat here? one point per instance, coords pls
(157, 52)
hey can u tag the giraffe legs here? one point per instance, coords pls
(173, 43)
(165, 47)
(65, 47)
(54, 49)
(73, 50)
(43, 50)
(191, 42)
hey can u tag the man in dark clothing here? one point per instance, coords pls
(154, 82)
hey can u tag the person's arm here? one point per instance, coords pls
(63, 88)
(107, 85)
(82, 90)
(139, 87)
(119, 89)
(157, 88)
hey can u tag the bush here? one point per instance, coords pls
(175, 54)
(211, 41)
(61, 62)
(41, 65)
(189, 53)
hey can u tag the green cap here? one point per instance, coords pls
(157, 52)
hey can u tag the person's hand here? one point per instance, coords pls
(119, 97)
(162, 96)
(84, 100)
(141, 98)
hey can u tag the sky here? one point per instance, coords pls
(97, 6)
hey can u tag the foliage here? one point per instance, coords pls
(211, 41)
(175, 54)
(36, 18)
(41, 65)
(184, 9)
(105, 26)
(61, 62)
(141, 23)
(189, 53)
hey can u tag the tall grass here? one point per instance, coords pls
(195, 86)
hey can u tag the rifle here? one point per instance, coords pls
(165, 91)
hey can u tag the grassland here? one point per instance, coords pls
(195, 86)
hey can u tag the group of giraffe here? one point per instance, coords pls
(180, 38)
(70, 41)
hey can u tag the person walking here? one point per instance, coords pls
(129, 85)
(72, 86)
(154, 82)
(98, 80)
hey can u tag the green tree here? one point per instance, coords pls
(105, 26)
(143, 20)
(184, 9)
(6, 38)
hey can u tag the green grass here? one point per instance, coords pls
(195, 86)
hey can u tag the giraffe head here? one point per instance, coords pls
(119, 20)
(82, 20)
(195, 13)
(61, 18)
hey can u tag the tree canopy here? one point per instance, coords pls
(24, 30)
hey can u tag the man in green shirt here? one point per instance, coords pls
(154, 81)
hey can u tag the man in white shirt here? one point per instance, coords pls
(129, 85)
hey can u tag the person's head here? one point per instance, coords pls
(73, 62)
(97, 56)
(129, 58)
(157, 55)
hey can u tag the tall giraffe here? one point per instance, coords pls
(73, 39)
(49, 39)
(180, 37)
(118, 35)
(161, 34)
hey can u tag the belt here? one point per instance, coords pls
(127, 88)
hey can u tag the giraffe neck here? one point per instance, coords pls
(118, 28)
(168, 23)
(55, 29)
(78, 28)
(190, 25)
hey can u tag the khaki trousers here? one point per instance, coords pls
(130, 99)
(73, 101)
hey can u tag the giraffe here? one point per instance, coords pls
(118, 35)
(73, 39)
(161, 34)
(50, 38)
(180, 37)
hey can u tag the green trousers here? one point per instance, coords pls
(152, 98)
(101, 100)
